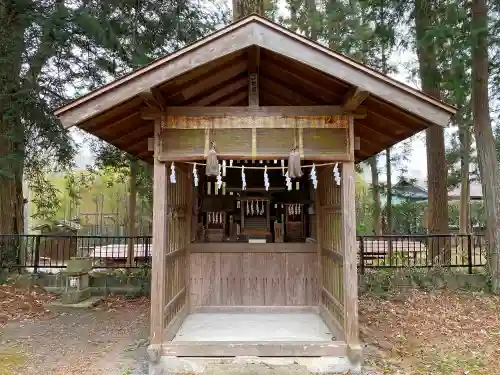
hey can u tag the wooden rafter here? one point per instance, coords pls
(153, 98)
(285, 93)
(313, 89)
(234, 99)
(117, 124)
(213, 80)
(354, 98)
(373, 133)
(226, 90)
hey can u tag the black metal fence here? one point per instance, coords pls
(466, 251)
(49, 253)
(39, 253)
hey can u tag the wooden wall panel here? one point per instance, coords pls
(325, 142)
(179, 218)
(253, 279)
(330, 243)
(180, 142)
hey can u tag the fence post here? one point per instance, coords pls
(36, 260)
(361, 256)
(469, 252)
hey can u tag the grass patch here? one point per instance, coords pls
(11, 360)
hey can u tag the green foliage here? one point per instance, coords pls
(53, 51)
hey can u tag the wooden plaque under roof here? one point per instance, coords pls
(251, 137)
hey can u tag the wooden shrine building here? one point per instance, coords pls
(249, 263)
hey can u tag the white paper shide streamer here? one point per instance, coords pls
(314, 178)
(172, 174)
(336, 174)
(219, 178)
(288, 181)
(266, 179)
(243, 178)
(195, 175)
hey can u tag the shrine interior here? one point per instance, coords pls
(255, 214)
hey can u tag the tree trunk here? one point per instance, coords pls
(243, 8)
(11, 128)
(388, 205)
(485, 141)
(437, 210)
(464, 219)
(377, 220)
(132, 202)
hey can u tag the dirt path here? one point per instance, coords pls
(110, 341)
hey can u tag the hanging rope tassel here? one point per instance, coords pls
(195, 175)
(172, 174)
(243, 178)
(314, 178)
(336, 174)
(212, 168)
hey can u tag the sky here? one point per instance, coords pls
(416, 166)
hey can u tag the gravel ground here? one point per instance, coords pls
(109, 340)
(77, 342)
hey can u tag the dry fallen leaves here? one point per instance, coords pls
(18, 304)
(435, 333)
(112, 303)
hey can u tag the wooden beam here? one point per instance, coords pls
(253, 76)
(253, 59)
(354, 98)
(286, 111)
(160, 244)
(153, 98)
(351, 325)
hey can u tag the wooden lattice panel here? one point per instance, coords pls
(330, 240)
(178, 231)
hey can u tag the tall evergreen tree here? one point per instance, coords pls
(50, 48)
(488, 164)
(437, 211)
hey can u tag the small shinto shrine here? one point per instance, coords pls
(253, 133)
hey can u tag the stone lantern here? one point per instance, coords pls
(77, 280)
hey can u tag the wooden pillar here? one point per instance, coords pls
(351, 325)
(160, 243)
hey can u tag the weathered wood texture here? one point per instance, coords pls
(349, 246)
(332, 253)
(318, 138)
(179, 224)
(258, 349)
(254, 278)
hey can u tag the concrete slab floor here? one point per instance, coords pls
(253, 327)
